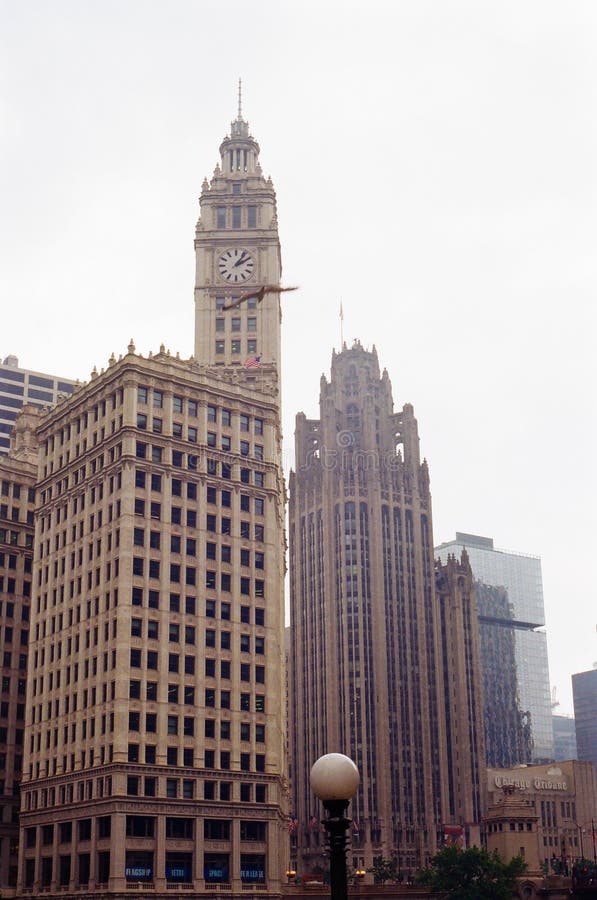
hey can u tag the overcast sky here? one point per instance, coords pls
(435, 165)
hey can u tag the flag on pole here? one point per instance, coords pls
(253, 362)
(292, 825)
(355, 826)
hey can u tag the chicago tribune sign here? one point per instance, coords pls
(524, 784)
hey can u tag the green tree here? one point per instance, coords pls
(383, 870)
(472, 874)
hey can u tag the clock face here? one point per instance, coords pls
(236, 265)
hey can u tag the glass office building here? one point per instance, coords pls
(584, 693)
(520, 575)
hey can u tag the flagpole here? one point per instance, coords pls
(341, 327)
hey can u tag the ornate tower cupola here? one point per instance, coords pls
(237, 250)
(239, 151)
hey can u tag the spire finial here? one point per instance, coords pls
(240, 98)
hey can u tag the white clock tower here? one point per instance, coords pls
(237, 248)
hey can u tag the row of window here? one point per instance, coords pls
(176, 827)
(12, 538)
(30, 394)
(154, 509)
(154, 481)
(6, 708)
(17, 490)
(188, 547)
(180, 405)
(177, 632)
(7, 610)
(149, 659)
(13, 513)
(236, 216)
(9, 560)
(235, 343)
(18, 739)
(78, 476)
(189, 460)
(88, 698)
(236, 326)
(247, 762)
(9, 635)
(151, 600)
(9, 659)
(178, 868)
(71, 762)
(176, 693)
(148, 755)
(6, 684)
(99, 410)
(95, 465)
(188, 730)
(9, 586)
(157, 426)
(154, 567)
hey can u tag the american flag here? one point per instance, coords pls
(313, 822)
(253, 362)
(292, 824)
(355, 826)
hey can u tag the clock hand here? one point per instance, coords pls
(239, 261)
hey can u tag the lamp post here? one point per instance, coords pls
(335, 779)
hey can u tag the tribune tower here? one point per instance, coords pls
(385, 657)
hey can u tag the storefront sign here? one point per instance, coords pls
(138, 872)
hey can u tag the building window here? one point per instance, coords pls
(171, 787)
(216, 829)
(216, 868)
(253, 831)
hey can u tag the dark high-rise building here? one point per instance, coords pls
(384, 660)
(508, 737)
(584, 694)
(19, 386)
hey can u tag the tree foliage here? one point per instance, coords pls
(383, 870)
(472, 874)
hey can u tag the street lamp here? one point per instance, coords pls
(335, 779)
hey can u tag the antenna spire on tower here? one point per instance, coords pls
(240, 99)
